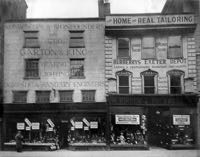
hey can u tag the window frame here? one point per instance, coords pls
(26, 75)
(129, 48)
(129, 75)
(14, 96)
(74, 37)
(149, 73)
(153, 48)
(83, 65)
(33, 37)
(66, 100)
(181, 48)
(179, 73)
(39, 93)
(94, 95)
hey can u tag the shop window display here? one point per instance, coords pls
(35, 133)
(87, 131)
(128, 130)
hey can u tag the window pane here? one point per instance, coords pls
(77, 67)
(175, 90)
(31, 39)
(123, 47)
(123, 81)
(148, 80)
(148, 48)
(19, 96)
(66, 96)
(76, 39)
(175, 80)
(174, 47)
(32, 68)
(42, 96)
(149, 90)
(88, 95)
(124, 90)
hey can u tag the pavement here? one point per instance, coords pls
(153, 152)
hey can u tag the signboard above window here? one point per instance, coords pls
(149, 20)
(181, 119)
(127, 119)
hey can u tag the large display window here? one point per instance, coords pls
(128, 129)
(87, 130)
(35, 132)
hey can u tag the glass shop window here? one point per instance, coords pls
(66, 96)
(76, 39)
(123, 48)
(174, 47)
(19, 96)
(87, 130)
(148, 48)
(31, 39)
(42, 96)
(128, 129)
(31, 68)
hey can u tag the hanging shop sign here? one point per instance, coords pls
(181, 119)
(27, 122)
(50, 123)
(72, 122)
(78, 125)
(20, 126)
(86, 128)
(28, 128)
(94, 125)
(149, 20)
(35, 126)
(86, 122)
(127, 119)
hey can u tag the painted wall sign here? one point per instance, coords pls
(181, 119)
(149, 20)
(127, 119)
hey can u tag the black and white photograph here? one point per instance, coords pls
(99, 78)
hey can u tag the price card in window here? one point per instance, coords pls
(78, 125)
(20, 126)
(93, 125)
(36, 126)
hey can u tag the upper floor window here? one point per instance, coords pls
(175, 81)
(123, 48)
(88, 95)
(31, 68)
(31, 39)
(124, 82)
(148, 48)
(19, 96)
(174, 47)
(66, 96)
(42, 96)
(76, 39)
(77, 68)
(149, 78)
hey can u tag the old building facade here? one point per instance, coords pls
(117, 81)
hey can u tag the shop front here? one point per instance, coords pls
(142, 121)
(55, 126)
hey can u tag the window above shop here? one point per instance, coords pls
(31, 68)
(148, 48)
(174, 47)
(31, 39)
(123, 48)
(19, 96)
(175, 81)
(77, 68)
(76, 39)
(66, 95)
(149, 78)
(88, 95)
(43, 96)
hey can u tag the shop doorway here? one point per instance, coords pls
(156, 118)
(63, 135)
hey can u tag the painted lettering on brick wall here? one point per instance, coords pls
(149, 20)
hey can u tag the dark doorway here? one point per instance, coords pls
(63, 134)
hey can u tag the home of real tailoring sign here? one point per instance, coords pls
(149, 20)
